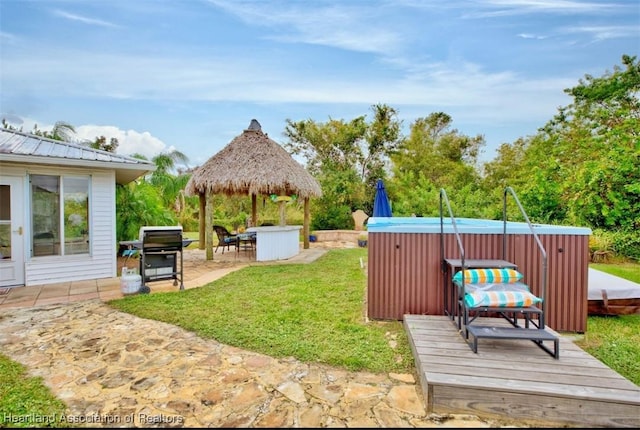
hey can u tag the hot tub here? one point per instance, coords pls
(405, 270)
(465, 225)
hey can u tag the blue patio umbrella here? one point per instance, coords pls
(381, 206)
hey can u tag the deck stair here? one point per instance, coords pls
(533, 316)
(538, 336)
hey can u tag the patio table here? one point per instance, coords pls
(246, 241)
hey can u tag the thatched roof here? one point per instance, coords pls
(252, 163)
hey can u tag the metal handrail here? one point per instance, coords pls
(537, 239)
(443, 197)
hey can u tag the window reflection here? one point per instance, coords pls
(45, 210)
(76, 215)
(57, 220)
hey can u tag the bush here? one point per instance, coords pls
(333, 218)
(139, 205)
(624, 244)
(627, 244)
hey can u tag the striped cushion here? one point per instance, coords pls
(477, 276)
(500, 299)
(497, 286)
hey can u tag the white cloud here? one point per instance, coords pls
(7, 38)
(242, 80)
(356, 26)
(605, 32)
(83, 19)
(129, 141)
(503, 8)
(531, 36)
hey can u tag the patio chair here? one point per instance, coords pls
(225, 239)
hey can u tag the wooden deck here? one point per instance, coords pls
(517, 379)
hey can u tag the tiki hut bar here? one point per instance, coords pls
(253, 164)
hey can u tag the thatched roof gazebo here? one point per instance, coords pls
(251, 164)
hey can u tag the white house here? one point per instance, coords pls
(58, 209)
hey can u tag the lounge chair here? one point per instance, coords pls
(225, 239)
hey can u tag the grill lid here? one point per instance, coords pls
(161, 238)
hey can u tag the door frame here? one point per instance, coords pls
(12, 270)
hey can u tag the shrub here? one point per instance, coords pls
(623, 244)
(627, 244)
(333, 218)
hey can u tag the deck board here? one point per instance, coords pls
(517, 379)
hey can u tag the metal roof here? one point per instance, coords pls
(17, 146)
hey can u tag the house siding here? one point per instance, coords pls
(104, 248)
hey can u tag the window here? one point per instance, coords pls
(60, 215)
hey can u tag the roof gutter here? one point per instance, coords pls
(125, 171)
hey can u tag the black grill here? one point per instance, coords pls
(159, 254)
(162, 240)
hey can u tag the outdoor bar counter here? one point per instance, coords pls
(277, 242)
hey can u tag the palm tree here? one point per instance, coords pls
(171, 187)
(62, 131)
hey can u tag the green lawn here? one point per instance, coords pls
(630, 271)
(25, 401)
(616, 340)
(314, 312)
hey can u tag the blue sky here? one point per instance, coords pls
(191, 74)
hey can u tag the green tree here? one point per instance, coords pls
(514, 166)
(61, 130)
(7, 126)
(169, 185)
(587, 158)
(583, 166)
(101, 144)
(383, 137)
(346, 157)
(411, 193)
(139, 204)
(438, 156)
(157, 199)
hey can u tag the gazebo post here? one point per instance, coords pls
(201, 220)
(254, 210)
(305, 227)
(209, 226)
(283, 213)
